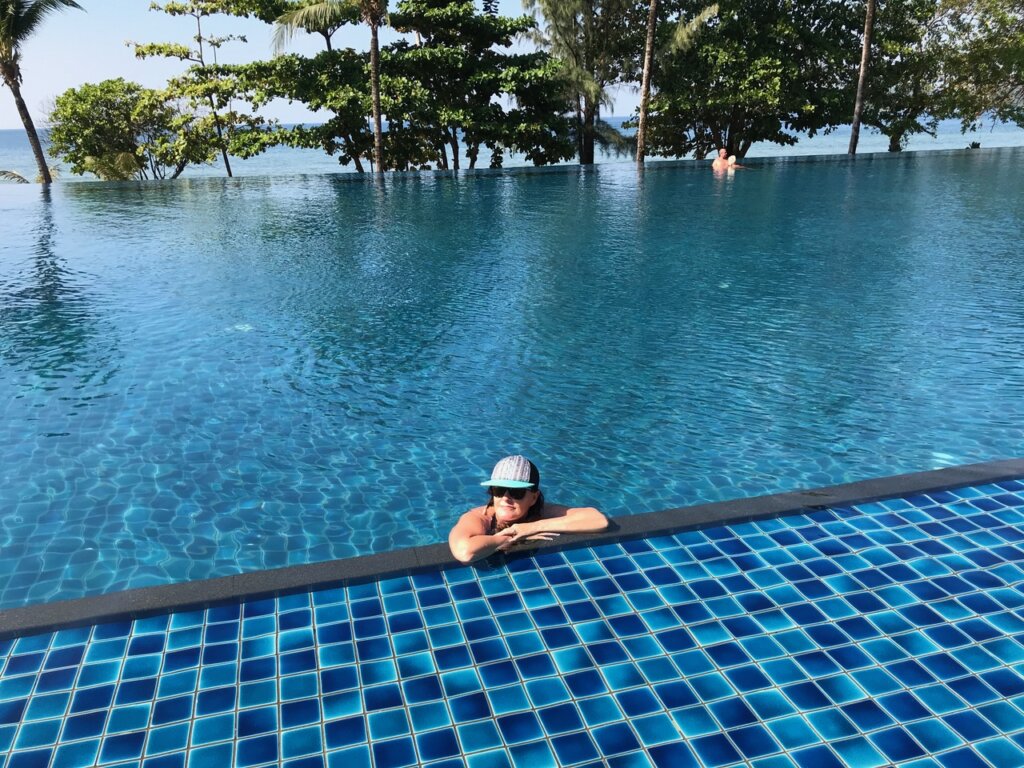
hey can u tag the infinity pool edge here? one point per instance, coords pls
(193, 595)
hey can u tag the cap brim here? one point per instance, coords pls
(506, 484)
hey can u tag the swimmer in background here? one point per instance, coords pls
(725, 162)
(516, 513)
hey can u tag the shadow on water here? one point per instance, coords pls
(50, 324)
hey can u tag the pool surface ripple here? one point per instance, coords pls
(209, 377)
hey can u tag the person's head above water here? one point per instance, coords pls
(516, 513)
(514, 490)
(514, 472)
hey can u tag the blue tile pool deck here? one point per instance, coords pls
(879, 633)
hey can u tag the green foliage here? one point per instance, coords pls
(207, 89)
(19, 20)
(19, 178)
(322, 18)
(333, 81)
(985, 76)
(905, 89)
(686, 31)
(682, 40)
(457, 90)
(264, 10)
(325, 17)
(119, 130)
(761, 71)
(598, 44)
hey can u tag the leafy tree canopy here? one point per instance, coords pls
(910, 48)
(760, 71)
(451, 90)
(598, 44)
(986, 74)
(334, 82)
(456, 88)
(119, 130)
(203, 86)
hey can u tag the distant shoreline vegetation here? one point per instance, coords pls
(284, 161)
(457, 92)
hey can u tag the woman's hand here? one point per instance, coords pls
(504, 539)
(521, 532)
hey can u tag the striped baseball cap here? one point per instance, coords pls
(514, 472)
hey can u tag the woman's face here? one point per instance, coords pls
(508, 510)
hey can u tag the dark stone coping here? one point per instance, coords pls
(194, 595)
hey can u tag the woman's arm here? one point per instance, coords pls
(469, 539)
(558, 519)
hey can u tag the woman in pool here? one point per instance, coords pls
(516, 512)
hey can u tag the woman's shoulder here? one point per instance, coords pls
(480, 514)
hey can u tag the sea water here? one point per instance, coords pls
(16, 155)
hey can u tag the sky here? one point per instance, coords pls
(76, 47)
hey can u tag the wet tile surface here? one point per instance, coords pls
(885, 633)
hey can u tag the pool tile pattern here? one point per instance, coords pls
(882, 633)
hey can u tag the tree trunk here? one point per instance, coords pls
(579, 126)
(587, 145)
(862, 79)
(896, 142)
(453, 141)
(645, 85)
(220, 138)
(378, 140)
(30, 129)
(224, 156)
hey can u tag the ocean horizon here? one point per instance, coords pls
(16, 154)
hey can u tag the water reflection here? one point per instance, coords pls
(51, 325)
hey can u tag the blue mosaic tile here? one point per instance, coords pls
(890, 632)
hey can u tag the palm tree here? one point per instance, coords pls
(865, 59)
(320, 18)
(18, 178)
(18, 20)
(685, 33)
(588, 38)
(325, 17)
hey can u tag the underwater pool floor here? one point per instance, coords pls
(863, 635)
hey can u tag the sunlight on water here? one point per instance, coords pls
(212, 376)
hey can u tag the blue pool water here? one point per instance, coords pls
(889, 633)
(214, 376)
